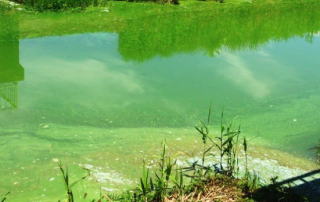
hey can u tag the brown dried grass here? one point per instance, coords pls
(216, 189)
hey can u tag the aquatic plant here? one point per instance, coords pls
(226, 143)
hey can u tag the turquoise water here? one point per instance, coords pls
(101, 99)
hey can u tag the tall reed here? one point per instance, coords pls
(227, 144)
(68, 185)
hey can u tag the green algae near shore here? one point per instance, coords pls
(106, 95)
(108, 155)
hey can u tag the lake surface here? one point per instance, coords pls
(109, 99)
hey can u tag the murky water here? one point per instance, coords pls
(109, 99)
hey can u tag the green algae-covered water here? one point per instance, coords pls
(106, 100)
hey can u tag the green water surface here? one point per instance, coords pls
(108, 99)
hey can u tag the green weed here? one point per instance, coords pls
(68, 184)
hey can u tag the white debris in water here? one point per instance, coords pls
(88, 166)
(15, 183)
(106, 10)
(45, 126)
(109, 176)
(294, 120)
(108, 189)
(179, 163)
(56, 160)
(179, 139)
(51, 179)
(264, 168)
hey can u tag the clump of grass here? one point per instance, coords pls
(217, 188)
(227, 144)
(155, 188)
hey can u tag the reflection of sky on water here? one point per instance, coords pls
(88, 69)
(80, 68)
(237, 71)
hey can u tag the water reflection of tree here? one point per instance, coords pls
(11, 72)
(241, 28)
(8, 95)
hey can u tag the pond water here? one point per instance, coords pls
(109, 99)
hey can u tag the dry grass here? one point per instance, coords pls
(224, 189)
